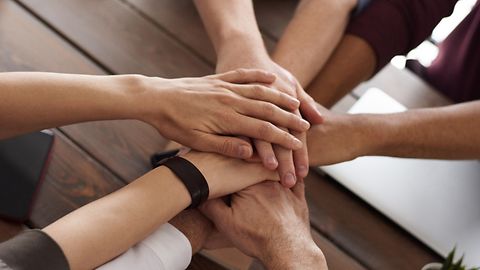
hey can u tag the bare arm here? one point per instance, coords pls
(311, 36)
(225, 105)
(451, 132)
(90, 236)
(234, 32)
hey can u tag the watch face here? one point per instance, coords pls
(22, 165)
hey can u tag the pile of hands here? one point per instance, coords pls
(256, 113)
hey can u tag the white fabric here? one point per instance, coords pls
(165, 249)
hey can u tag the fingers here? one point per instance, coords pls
(266, 154)
(299, 189)
(263, 93)
(286, 168)
(246, 76)
(224, 145)
(217, 211)
(309, 110)
(300, 156)
(262, 130)
(271, 113)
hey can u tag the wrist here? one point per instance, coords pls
(195, 226)
(241, 50)
(306, 255)
(377, 134)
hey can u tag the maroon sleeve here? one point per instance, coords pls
(393, 27)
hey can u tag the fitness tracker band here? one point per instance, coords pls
(190, 176)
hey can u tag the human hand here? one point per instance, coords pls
(226, 175)
(290, 164)
(269, 222)
(203, 113)
(341, 137)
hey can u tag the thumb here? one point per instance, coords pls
(309, 109)
(217, 211)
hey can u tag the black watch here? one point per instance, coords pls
(190, 176)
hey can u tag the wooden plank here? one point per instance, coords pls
(35, 47)
(73, 179)
(180, 18)
(405, 87)
(200, 262)
(124, 146)
(361, 231)
(119, 37)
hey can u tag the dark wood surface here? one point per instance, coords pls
(166, 38)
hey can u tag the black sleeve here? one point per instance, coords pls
(32, 250)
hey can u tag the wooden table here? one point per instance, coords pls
(166, 38)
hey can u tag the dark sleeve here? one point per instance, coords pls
(32, 249)
(394, 27)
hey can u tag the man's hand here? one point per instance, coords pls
(269, 222)
(341, 137)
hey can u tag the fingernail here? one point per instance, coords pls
(244, 151)
(272, 162)
(289, 179)
(302, 170)
(305, 124)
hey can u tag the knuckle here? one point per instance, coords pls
(258, 91)
(265, 130)
(227, 98)
(269, 110)
(226, 146)
(241, 72)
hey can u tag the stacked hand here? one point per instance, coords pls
(269, 222)
(290, 163)
(208, 113)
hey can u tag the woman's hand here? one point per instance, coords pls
(208, 113)
(226, 175)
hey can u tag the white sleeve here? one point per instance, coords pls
(165, 249)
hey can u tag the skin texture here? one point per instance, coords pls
(222, 105)
(269, 222)
(233, 30)
(83, 234)
(451, 132)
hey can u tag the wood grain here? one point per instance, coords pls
(119, 37)
(73, 179)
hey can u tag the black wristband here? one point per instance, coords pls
(191, 177)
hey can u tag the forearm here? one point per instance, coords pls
(99, 231)
(195, 226)
(232, 27)
(352, 62)
(451, 132)
(311, 36)
(308, 257)
(33, 101)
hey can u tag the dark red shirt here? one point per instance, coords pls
(394, 27)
